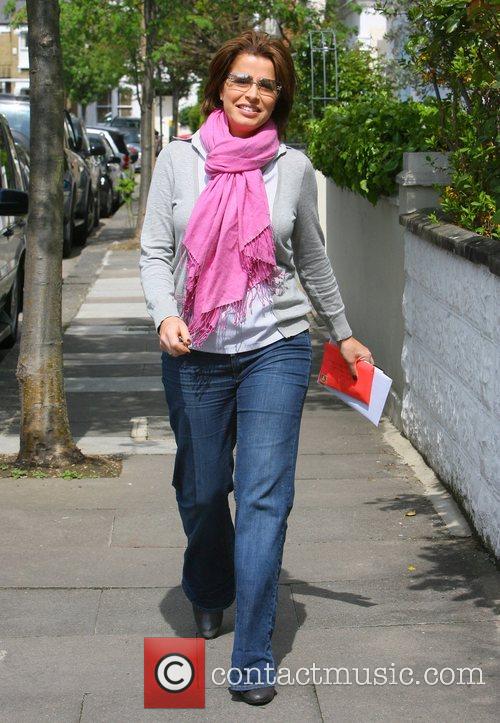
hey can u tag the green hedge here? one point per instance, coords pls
(360, 144)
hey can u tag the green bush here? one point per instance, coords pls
(360, 144)
(190, 116)
(359, 75)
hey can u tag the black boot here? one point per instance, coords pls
(258, 696)
(208, 623)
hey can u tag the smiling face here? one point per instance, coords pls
(249, 109)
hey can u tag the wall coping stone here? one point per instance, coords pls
(458, 240)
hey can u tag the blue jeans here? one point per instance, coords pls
(254, 400)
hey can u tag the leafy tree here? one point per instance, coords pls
(454, 47)
(99, 41)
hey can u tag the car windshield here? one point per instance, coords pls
(18, 115)
(131, 135)
(126, 122)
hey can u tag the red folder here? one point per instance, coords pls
(335, 373)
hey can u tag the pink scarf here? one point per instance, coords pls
(228, 238)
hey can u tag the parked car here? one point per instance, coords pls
(78, 203)
(133, 140)
(131, 123)
(82, 147)
(111, 172)
(13, 210)
(117, 143)
(131, 129)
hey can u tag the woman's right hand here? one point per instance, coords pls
(174, 336)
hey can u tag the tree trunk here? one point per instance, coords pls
(175, 110)
(45, 433)
(147, 121)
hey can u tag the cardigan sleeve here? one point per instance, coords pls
(313, 265)
(158, 244)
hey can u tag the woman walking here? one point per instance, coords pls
(231, 216)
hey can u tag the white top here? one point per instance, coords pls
(260, 326)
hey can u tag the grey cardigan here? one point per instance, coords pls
(299, 241)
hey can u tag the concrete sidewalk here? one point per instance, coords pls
(91, 567)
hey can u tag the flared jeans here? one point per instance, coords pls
(251, 402)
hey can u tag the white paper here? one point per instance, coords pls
(380, 389)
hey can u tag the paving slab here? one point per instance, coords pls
(112, 310)
(122, 406)
(344, 421)
(148, 529)
(37, 612)
(167, 612)
(331, 442)
(334, 466)
(64, 528)
(297, 705)
(145, 482)
(391, 601)
(100, 371)
(120, 341)
(419, 647)
(89, 567)
(103, 443)
(114, 384)
(316, 524)
(112, 358)
(31, 707)
(379, 559)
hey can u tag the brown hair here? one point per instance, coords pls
(253, 43)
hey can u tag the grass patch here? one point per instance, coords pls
(93, 466)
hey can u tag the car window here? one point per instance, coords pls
(95, 138)
(119, 140)
(85, 138)
(70, 136)
(131, 135)
(19, 181)
(7, 174)
(109, 150)
(18, 115)
(126, 122)
(112, 145)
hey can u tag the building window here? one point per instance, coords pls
(124, 102)
(24, 61)
(104, 107)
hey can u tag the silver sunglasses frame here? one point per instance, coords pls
(232, 76)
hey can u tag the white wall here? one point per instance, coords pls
(365, 246)
(451, 353)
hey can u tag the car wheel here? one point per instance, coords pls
(97, 209)
(91, 209)
(69, 235)
(117, 201)
(107, 209)
(13, 308)
(85, 228)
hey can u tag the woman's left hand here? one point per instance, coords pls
(352, 350)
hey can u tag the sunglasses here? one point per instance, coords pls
(244, 81)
